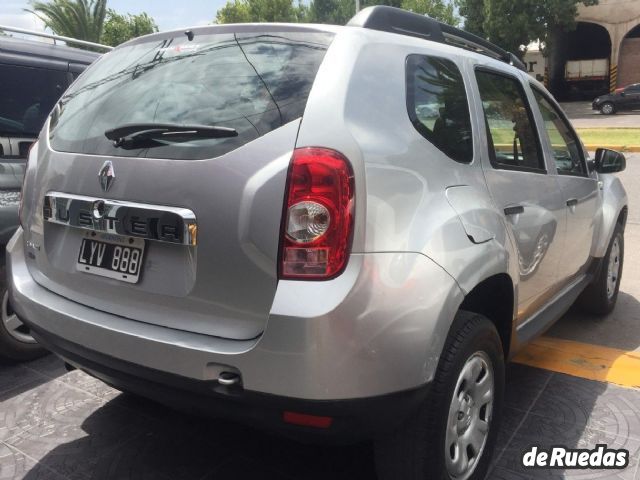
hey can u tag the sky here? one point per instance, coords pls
(168, 14)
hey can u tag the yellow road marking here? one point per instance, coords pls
(592, 362)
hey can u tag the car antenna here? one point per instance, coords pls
(189, 34)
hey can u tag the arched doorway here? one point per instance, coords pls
(629, 62)
(584, 77)
(589, 41)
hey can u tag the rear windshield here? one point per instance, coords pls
(250, 82)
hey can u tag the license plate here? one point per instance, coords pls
(111, 256)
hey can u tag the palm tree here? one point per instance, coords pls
(81, 19)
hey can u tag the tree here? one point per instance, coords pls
(438, 9)
(120, 28)
(473, 13)
(511, 24)
(238, 11)
(336, 12)
(339, 12)
(391, 3)
(80, 19)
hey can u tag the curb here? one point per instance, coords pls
(622, 148)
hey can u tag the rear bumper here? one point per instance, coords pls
(359, 339)
(351, 420)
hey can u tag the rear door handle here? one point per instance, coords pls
(572, 202)
(516, 209)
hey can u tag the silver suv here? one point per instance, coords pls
(339, 232)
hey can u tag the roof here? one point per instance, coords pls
(234, 28)
(48, 51)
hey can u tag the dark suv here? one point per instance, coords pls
(627, 98)
(33, 76)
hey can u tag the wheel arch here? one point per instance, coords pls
(494, 297)
(614, 212)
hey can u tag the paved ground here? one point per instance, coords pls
(56, 425)
(582, 116)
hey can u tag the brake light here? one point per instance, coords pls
(24, 179)
(317, 224)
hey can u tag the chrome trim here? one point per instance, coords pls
(153, 222)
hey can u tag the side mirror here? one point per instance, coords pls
(609, 161)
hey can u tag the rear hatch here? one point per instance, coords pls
(216, 272)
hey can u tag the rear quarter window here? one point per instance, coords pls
(27, 95)
(251, 82)
(437, 105)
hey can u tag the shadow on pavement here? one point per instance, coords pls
(620, 329)
(130, 438)
(133, 438)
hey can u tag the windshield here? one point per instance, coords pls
(250, 82)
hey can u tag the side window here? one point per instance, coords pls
(27, 95)
(513, 141)
(438, 107)
(567, 150)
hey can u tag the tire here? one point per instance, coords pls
(16, 344)
(421, 448)
(607, 108)
(600, 297)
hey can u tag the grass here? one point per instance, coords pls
(626, 137)
(610, 136)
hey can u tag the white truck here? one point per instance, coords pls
(587, 77)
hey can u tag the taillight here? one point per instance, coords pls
(318, 215)
(24, 179)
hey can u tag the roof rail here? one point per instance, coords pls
(396, 20)
(55, 37)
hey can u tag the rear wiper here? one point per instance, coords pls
(146, 135)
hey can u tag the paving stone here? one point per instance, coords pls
(503, 474)
(546, 432)
(14, 376)
(49, 365)
(574, 403)
(524, 384)
(511, 419)
(89, 384)
(15, 466)
(72, 440)
(22, 410)
(240, 468)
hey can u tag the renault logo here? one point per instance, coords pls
(107, 176)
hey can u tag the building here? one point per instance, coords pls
(609, 30)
